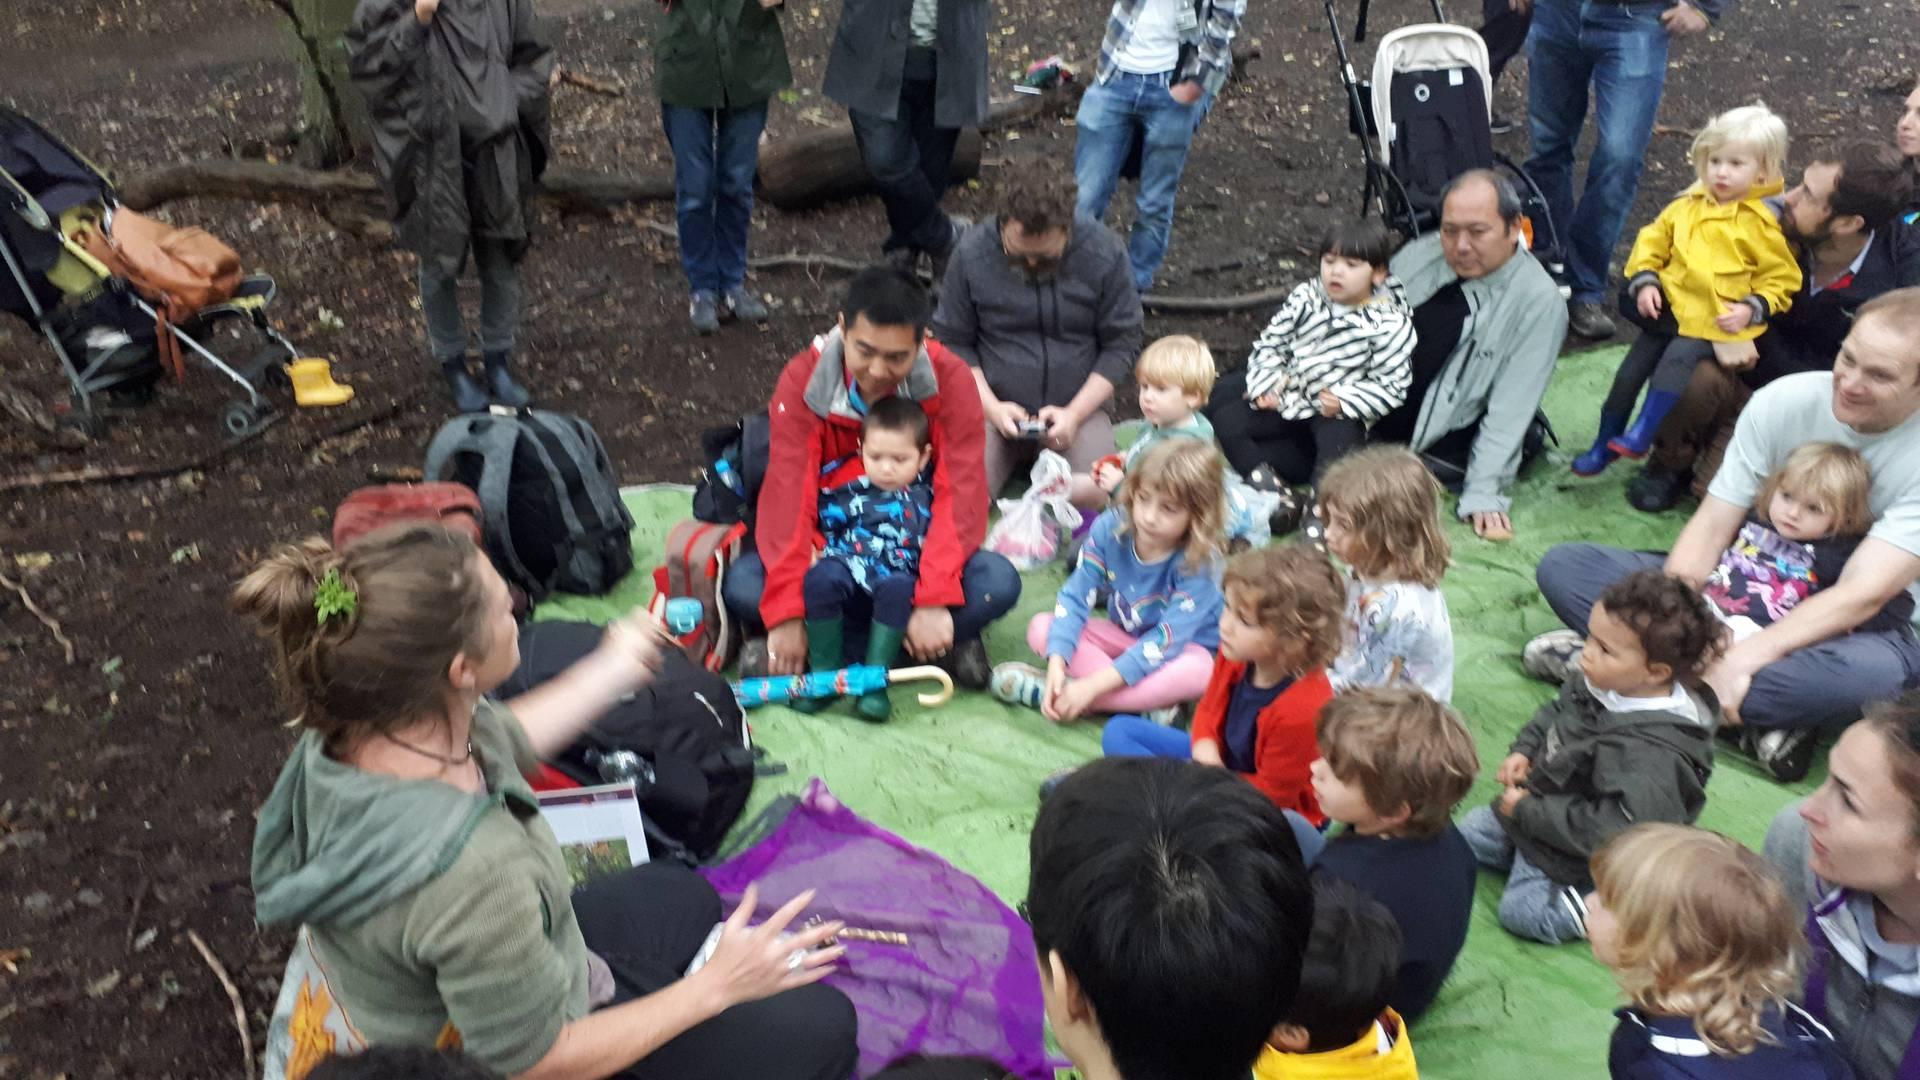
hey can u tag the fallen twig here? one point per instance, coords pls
(94, 474)
(52, 624)
(588, 82)
(133, 920)
(1194, 304)
(233, 995)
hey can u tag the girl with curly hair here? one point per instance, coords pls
(1629, 740)
(1702, 938)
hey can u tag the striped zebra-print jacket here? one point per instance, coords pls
(1359, 353)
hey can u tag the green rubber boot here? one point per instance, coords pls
(826, 651)
(883, 647)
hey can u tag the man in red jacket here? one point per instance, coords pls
(878, 348)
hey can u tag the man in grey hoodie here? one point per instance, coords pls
(1041, 304)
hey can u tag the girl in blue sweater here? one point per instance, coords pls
(1154, 560)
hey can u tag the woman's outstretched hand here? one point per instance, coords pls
(753, 962)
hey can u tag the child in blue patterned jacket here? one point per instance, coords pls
(872, 527)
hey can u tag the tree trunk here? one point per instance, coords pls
(333, 119)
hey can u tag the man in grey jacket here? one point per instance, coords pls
(1490, 322)
(1041, 304)
(911, 73)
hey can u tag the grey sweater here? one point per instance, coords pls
(1037, 342)
(1499, 371)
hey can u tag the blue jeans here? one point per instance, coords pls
(989, 584)
(1824, 685)
(715, 152)
(1110, 114)
(1620, 51)
(1532, 907)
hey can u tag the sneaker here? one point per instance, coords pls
(1787, 753)
(739, 303)
(1168, 716)
(703, 311)
(1589, 320)
(1018, 684)
(1551, 655)
(1655, 489)
(1501, 124)
(753, 658)
(1054, 780)
(968, 665)
(1575, 904)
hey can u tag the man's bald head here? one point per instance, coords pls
(1479, 222)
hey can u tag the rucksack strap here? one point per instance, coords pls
(493, 443)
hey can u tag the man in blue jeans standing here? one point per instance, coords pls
(715, 66)
(1619, 49)
(1161, 65)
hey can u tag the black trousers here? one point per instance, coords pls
(911, 159)
(1297, 451)
(646, 924)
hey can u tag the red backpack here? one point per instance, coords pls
(369, 508)
(698, 555)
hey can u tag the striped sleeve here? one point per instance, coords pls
(1267, 365)
(1362, 357)
(1381, 386)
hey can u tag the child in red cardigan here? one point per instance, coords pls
(1281, 627)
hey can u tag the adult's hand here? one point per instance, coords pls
(424, 9)
(1648, 301)
(771, 4)
(1492, 525)
(1186, 93)
(1519, 7)
(787, 648)
(631, 649)
(753, 962)
(1683, 19)
(929, 633)
(1006, 417)
(1730, 678)
(1062, 427)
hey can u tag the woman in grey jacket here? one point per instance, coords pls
(1850, 854)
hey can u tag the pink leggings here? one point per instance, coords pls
(1183, 678)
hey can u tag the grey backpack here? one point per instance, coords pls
(550, 507)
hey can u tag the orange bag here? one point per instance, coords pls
(179, 271)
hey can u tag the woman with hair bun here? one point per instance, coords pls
(402, 833)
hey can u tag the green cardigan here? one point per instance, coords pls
(717, 54)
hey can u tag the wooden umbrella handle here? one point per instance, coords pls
(925, 671)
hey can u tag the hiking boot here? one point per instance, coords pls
(500, 384)
(1552, 655)
(1589, 320)
(739, 303)
(968, 664)
(753, 658)
(468, 395)
(703, 311)
(1655, 489)
(1019, 684)
(1786, 753)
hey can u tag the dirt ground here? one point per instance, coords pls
(128, 777)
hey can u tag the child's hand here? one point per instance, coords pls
(1072, 702)
(1736, 355)
(1510, 798)
(1329, 404)
(1056, 682)
(1207, 752)
(1267, 401)
(1648, 301)
(424, 10)
(1513, 770)
(1735, 318)
(1108, 476)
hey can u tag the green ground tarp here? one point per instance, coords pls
(960, 779)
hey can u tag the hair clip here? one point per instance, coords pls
(332, 597)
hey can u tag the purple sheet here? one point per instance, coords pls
(967, 982)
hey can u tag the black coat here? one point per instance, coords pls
(1807, 336)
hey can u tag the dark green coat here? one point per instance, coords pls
(716, 54)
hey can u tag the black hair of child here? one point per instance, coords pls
(925, 1067)
(1352, 959)
(1364, 239)
(886, 297)
(402, 1063)
(896, 413)
(1672, 620)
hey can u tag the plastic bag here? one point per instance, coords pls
(1028, 532)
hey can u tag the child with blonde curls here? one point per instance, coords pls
(1702, 938)
(1154, 556)
(1381, 509)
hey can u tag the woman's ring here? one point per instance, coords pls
(795, 961)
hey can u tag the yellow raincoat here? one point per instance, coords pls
(1709, 254)
(1363, 1060)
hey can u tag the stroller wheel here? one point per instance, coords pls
(240, 418)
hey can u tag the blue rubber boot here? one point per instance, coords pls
(1595, 461)
(1638, 440)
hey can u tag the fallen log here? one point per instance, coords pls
(568, 189)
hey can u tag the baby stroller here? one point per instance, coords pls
(1424, 117)
(108, 336)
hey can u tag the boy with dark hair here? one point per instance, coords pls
(874, 511)
(1155, 961)
(1340, 1026)
(1393, 764)
(1629, 740)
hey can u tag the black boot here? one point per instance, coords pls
(500, 382)
(468, 397)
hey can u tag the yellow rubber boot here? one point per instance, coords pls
(313, 385)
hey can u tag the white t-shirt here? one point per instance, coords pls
(1396, 631)
(1154, 44)
(1798, 409)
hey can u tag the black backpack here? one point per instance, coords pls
(1440, 130)
(550, 507)
(685, 724)
(729, 487)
